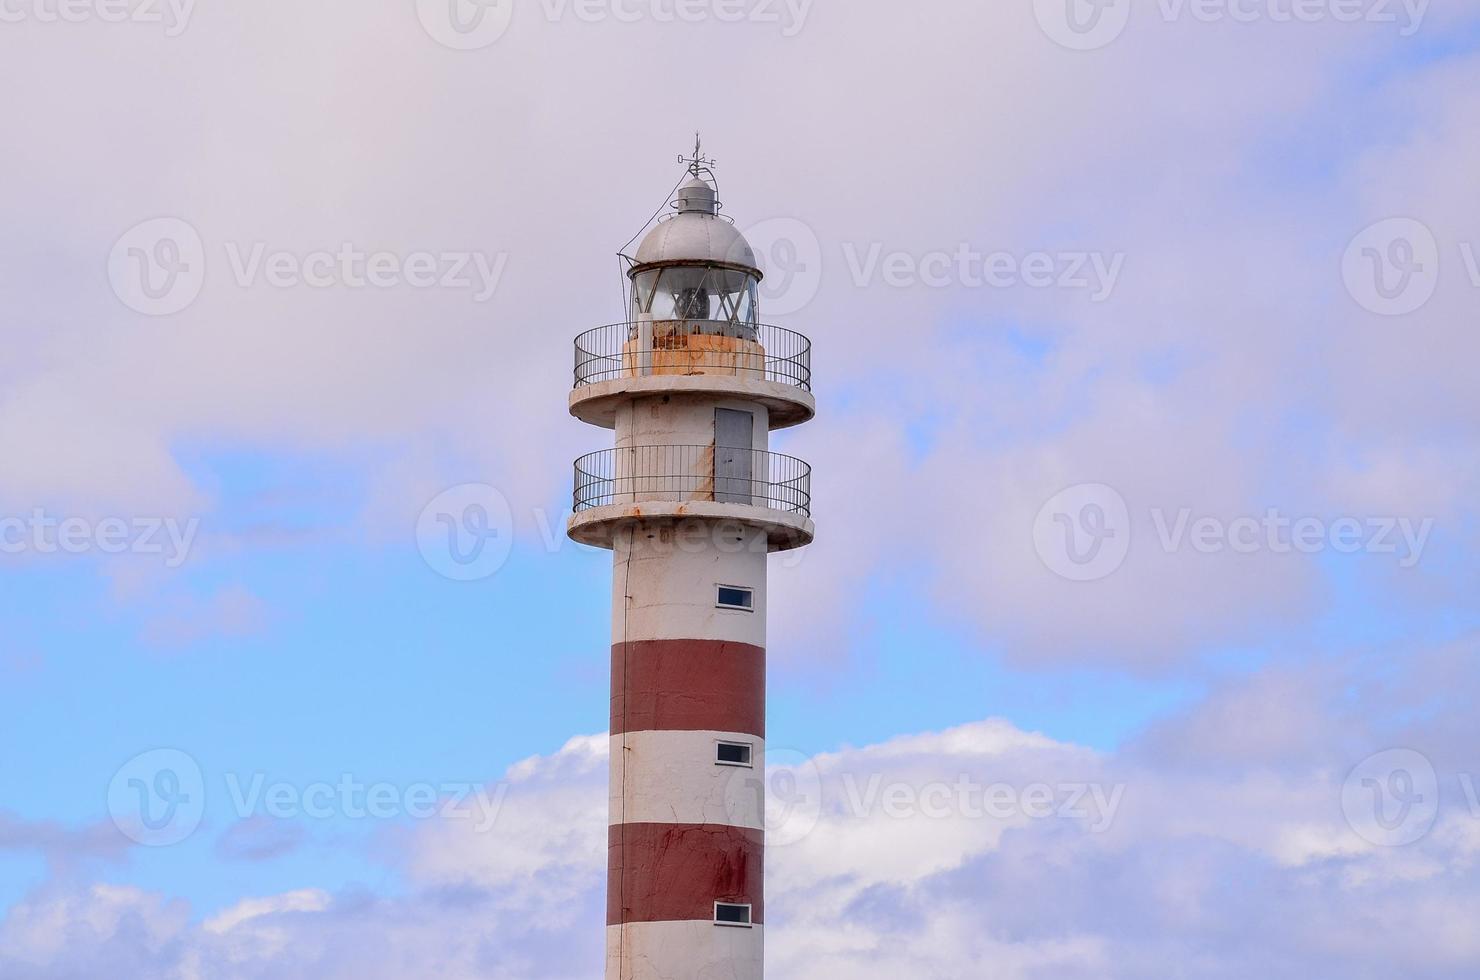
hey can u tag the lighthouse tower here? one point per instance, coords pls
(691, 501)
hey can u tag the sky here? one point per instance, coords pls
(1139, 636)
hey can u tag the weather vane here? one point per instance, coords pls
(697, 162)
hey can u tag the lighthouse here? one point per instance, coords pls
(691, 501)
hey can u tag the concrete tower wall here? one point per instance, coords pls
(688, 950)
(664, 785)
(665, 575)
(685, 830)
(683, 420)
(691, 502)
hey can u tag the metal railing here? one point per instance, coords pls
(678, 474)
(683, 348)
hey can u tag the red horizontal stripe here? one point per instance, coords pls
(676, 872)
(688, 686)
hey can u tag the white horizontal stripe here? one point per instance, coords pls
(669, 591)
(672, 777)
(691, 950)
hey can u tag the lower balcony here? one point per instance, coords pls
(757, 488)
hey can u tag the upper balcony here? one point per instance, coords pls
(760, 363)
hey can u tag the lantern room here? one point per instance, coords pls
(695, 271)
(693, 323)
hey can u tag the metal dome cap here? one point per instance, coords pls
(697, 233)
(698, 194)
(696, 236)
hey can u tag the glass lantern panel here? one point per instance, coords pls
(643, 286)
(703, 293)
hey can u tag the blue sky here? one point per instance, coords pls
(1236, 365)
(371, 663)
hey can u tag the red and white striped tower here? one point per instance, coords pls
(691, 501)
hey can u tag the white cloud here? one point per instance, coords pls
(1227, 332)
(1227, 858)
(309, 900)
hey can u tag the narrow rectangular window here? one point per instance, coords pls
(733, 754)
(727, 914)
(734, 597)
